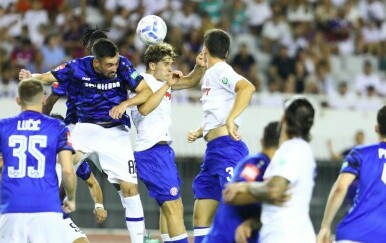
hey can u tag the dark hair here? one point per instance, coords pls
(104, 48)
(91, 35)
(299, 114)
(57, 116)
(217, 42)
(155, 53)
(271, 135)
(28, 90)
(381, 120)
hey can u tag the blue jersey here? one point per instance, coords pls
(96, 94)
(29, 143)
(66, 89)
(365, 222)
(229, 217)
(84, 172)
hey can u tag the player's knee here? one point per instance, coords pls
(82, 240)
(172, 207)
(129, 189)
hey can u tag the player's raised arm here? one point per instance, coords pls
(244, 91)
(335, 199)
(193, 78)
(68, 180)
(50, 102)
(46, 78)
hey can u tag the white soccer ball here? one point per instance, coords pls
(151, 29)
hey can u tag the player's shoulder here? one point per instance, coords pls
(124, 61)
(367, 148)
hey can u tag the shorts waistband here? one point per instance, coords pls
(104, 124)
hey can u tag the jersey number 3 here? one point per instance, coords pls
(21, 145)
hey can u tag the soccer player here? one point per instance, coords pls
(229, 217)
(293, 166)
(154, 157)
(226, 95)
(365, 221)
(101, 82)
(30, 143)
(83, 171)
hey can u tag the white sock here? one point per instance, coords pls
(165, 237)
(121, 196)
(134, 218)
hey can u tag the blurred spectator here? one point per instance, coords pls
(370, 101)
(237, 13)
(275, 31)
(324, 79)
(187, 19)
(369, 39)
(8, 84)
(257, 12)
(10, 20)
(213, 8)
(325, 13)
(119, 24)
(111, 6)
(34, 18)
(300, 11)
(300, 77)
(52, 51)
(282, 70)
(25, 55)
(155, 7)
(245, 64)
(366, 79)
(72, 36)
(373, 10)
(343, 99)
(359, 138)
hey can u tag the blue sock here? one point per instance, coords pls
(180, 238)
(200, 233)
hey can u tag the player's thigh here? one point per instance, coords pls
(73, 233)
(203, 212)
(128, 189)
(47, 227)
(13, 228)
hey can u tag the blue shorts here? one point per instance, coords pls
(157, 169)
(221, 156)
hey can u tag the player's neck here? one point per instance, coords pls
(213, 61)
(269, 152)
(37, 108)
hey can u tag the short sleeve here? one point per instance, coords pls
(65, 141)
(229, 79)
(128, 74)
(352, 163)
(60, 89)
(63, 74)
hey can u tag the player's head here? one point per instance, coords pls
(298, 117)
(380, 128)
(159, 59)
(91, 35)
(271, 135)
(30, 93)
(217, 43)
(106, 59)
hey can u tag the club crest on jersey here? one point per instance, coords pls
(174, 191)
(250, 172)
(60, 67)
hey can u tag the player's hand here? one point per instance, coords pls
(192, 136)
(233, 189)
(24, 74)
(200, 60)
(174, 77)
(68, 205)
(117, 111)
(324, 235)
(243, 232)
(232, 130)
(100, 215)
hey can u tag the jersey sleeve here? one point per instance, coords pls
(286, 165)
(128, 74)
(352, 163)
(63, 75)
(251, 168)
(65, 141)
(84, 171)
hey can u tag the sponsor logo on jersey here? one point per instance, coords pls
(100, 86)
(60, 67)
(174, 191)
(86, 78)
(250, 172)
(28, 125)
(224, 80)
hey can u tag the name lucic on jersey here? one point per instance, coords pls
(28, 125)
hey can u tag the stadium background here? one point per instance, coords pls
(335, 39)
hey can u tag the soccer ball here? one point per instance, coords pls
(151, 29)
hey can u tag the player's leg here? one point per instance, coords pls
(73, 233)
(173, 212)
(163, 226)
(13, 227)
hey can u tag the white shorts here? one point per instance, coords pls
(113, 146)
(32, 228)
(72, 231)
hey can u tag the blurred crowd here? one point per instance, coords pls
(332, 48)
